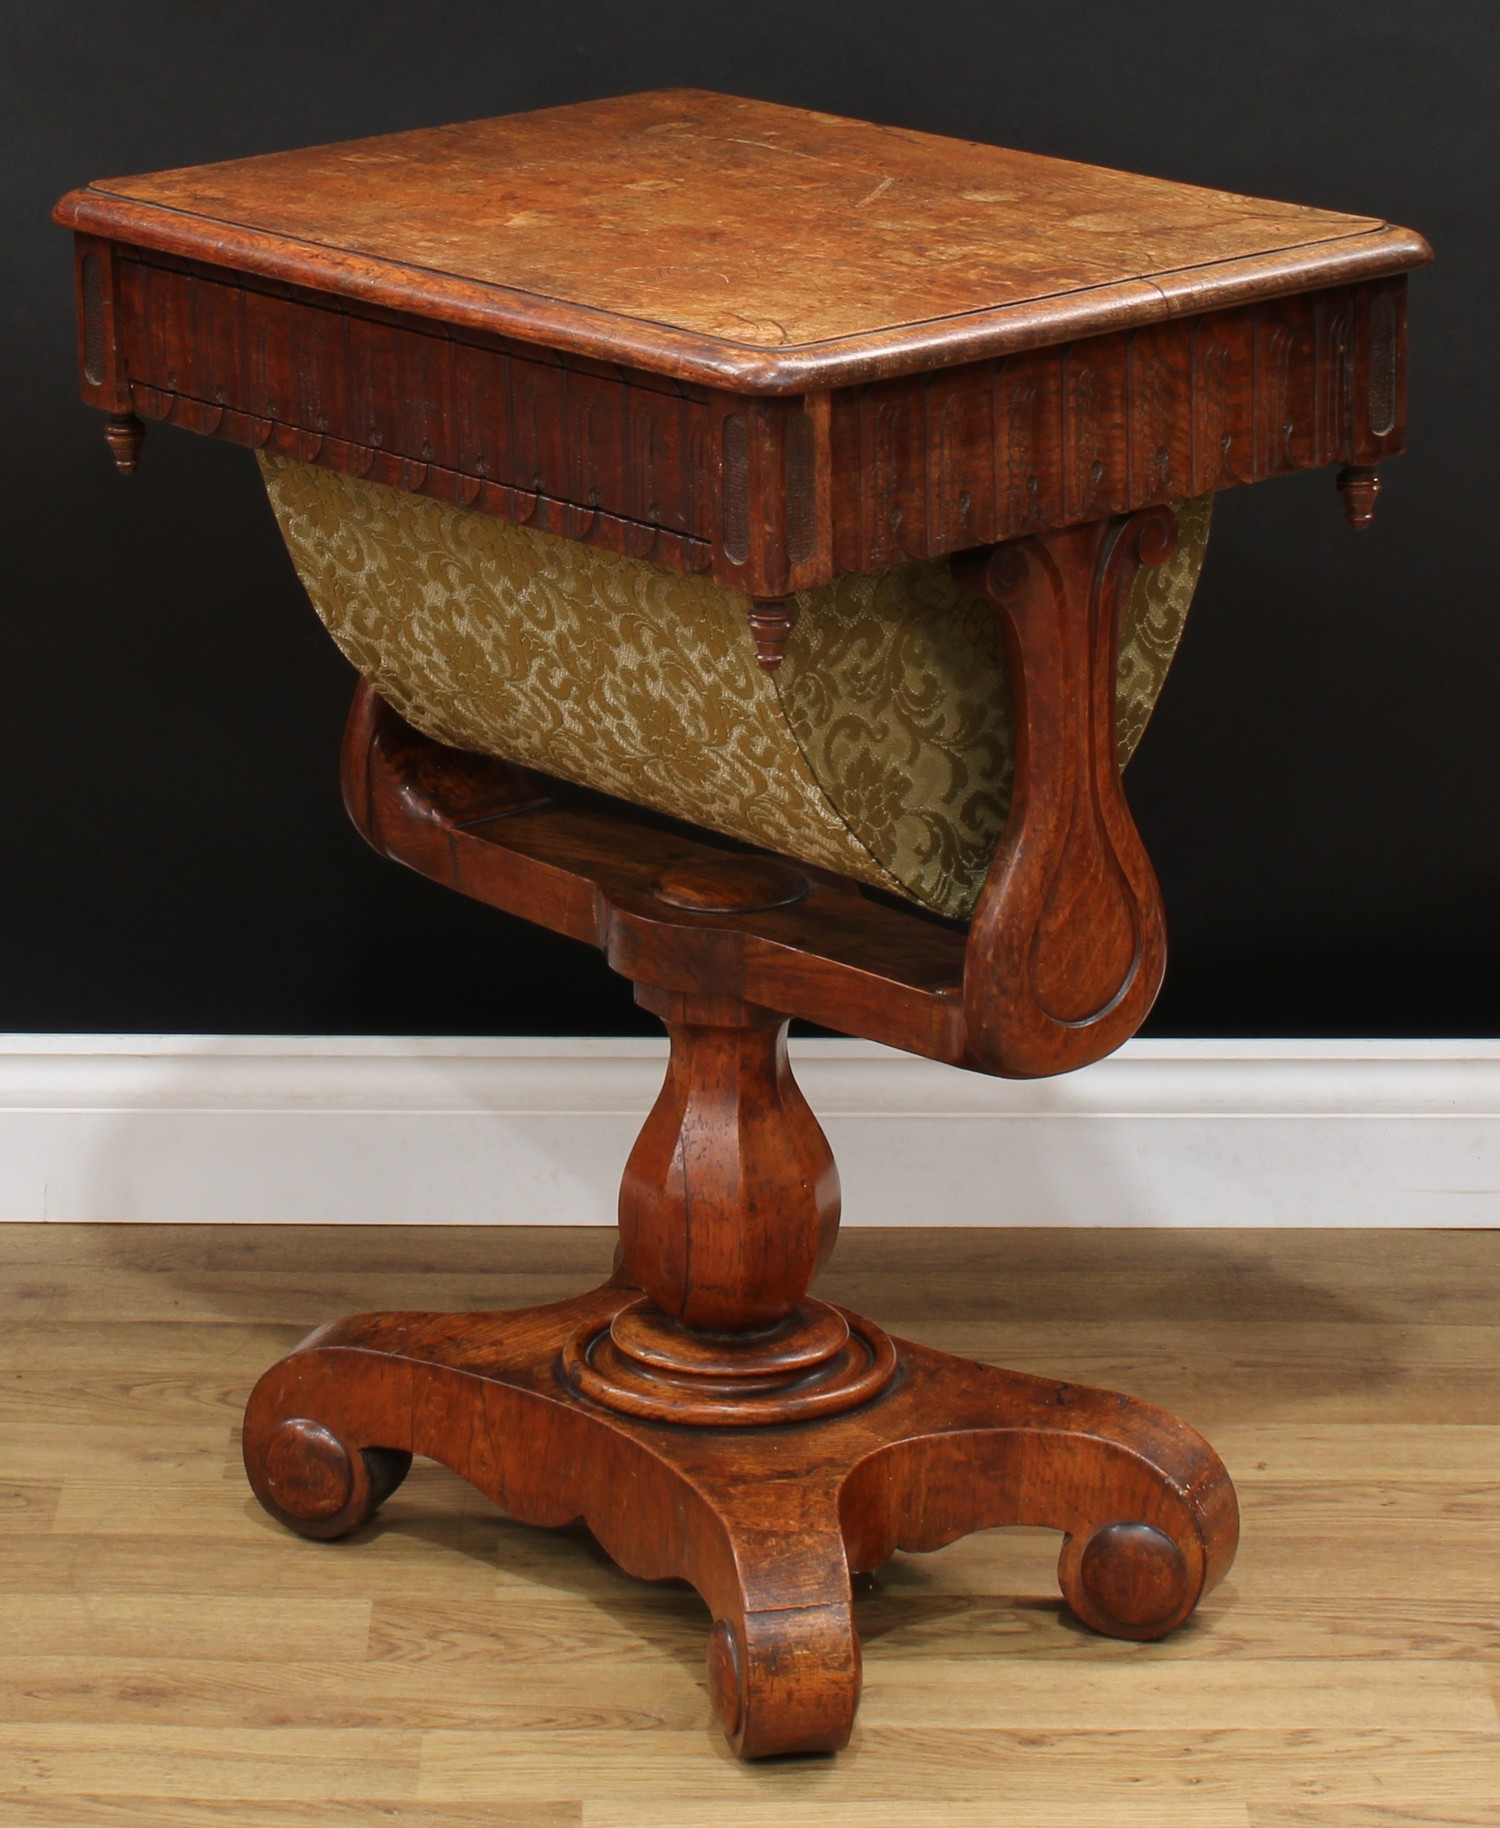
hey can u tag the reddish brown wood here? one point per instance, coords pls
(124, 434)
(769, 1444)
(691, 328)
(583, 451)
(767, 1524)
(102, 372)
(1066, 949)
(1068, 942)
(737, 243)
(733, 885)
(1360, 488)
(592, 869)
(960, 458)
(730, 1199)
(771, 495)
(770, 629)
(648, 355)
(818, 1362)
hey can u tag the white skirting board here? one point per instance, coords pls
(256, 1130)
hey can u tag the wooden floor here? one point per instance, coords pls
(172, 1658)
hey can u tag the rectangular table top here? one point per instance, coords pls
(755, 247)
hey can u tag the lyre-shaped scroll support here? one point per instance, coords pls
(1068, 943)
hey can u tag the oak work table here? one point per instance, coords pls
(760, 351)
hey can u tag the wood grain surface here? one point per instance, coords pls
(738, 241)
(554, 317)
(173, 1660)
(1066, 949)
(770, 495)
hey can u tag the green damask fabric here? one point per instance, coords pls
(882, 748)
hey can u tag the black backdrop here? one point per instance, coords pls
(1319, 785)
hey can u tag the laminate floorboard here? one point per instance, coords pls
(171, 1659)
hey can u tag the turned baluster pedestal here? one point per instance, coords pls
(703, 1413)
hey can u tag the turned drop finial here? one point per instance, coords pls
(1360, 488)
(770, 625)
(125, 434)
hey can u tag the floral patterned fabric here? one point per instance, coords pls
(882, 748)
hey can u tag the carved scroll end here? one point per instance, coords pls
(124, 433)
(394, 777)
(770, 628)
(1360, 488)
(1066, 946)
(1155, 533)
(996, 573)
(369, 715)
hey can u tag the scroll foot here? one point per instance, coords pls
(786, 1679)
(1127, 1580)
(315, 1482)
(1146, 1508)
(766, 1522)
